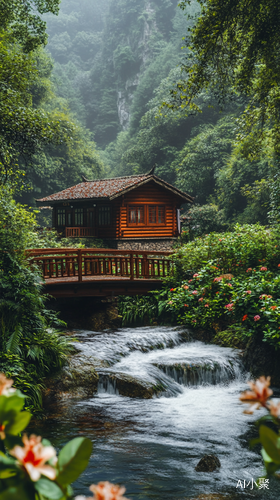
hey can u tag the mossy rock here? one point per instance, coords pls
(234, 336)
(130, 386)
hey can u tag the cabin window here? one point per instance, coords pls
(61, 217)
(156, 214)
(104, 216)
(136, 214)
(79, 217)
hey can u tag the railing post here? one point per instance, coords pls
(145, 264)
(131, 267)
(80, 263)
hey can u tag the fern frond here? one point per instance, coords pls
(12, 344)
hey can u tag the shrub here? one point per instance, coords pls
(30, 347)
(202, 219)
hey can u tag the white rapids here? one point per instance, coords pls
(153, 445)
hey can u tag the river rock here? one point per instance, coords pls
(208, 463)
(127, 385)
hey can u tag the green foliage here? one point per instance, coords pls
(232, 252)
(234, 49)
(30, 347)
(23, 21)
(138, 309)
(222, 282)
(28, 466)
(200, 220)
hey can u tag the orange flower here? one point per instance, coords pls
(107, 491)
(245, 317)
(273, 308)
(33, 457)
(6, 385)
(2, 433)
(274, 408)
(259, 394)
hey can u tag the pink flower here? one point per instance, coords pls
(200, 300)
(107, 491)
(258, 395)
(263, 268)
(249, 269)
(195, 275)
(6, 385)
(248, 291)
(217, 279)
(190, 281)
(186, 287)
(229, 306)
(195, 292)
(206, 305)
(170, 302)
(33, 457)
(257, 317)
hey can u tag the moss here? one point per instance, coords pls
(234, 336)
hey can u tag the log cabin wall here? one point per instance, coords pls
(148, 196)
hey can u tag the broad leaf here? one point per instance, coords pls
(271, 443)
(18, 423)
(11, 405)
(48, 489)
(73, 459)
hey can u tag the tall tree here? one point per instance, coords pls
(234, 48)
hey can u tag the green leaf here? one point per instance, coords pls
(271, 443)
(13, 403)
(48, 489)
(18, 423)
(5, 473)
(73, 459)
(265, 456)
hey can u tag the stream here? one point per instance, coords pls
(153, 445)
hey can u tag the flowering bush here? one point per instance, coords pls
(216, 302)
(29, 467)
(244, 248)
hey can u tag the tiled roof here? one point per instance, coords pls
(108, 188)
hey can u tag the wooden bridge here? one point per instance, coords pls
(70, 272)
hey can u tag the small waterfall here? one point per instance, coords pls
(146, 362)
(205, 374)
(107, 385)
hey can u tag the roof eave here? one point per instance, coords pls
(69, 200)
(187, 198)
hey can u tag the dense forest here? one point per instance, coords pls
(114, 65)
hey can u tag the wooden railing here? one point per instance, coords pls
(81, 263)
(78, 232)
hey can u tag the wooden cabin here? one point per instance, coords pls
(138, 212)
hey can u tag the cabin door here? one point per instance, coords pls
(91, 220)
